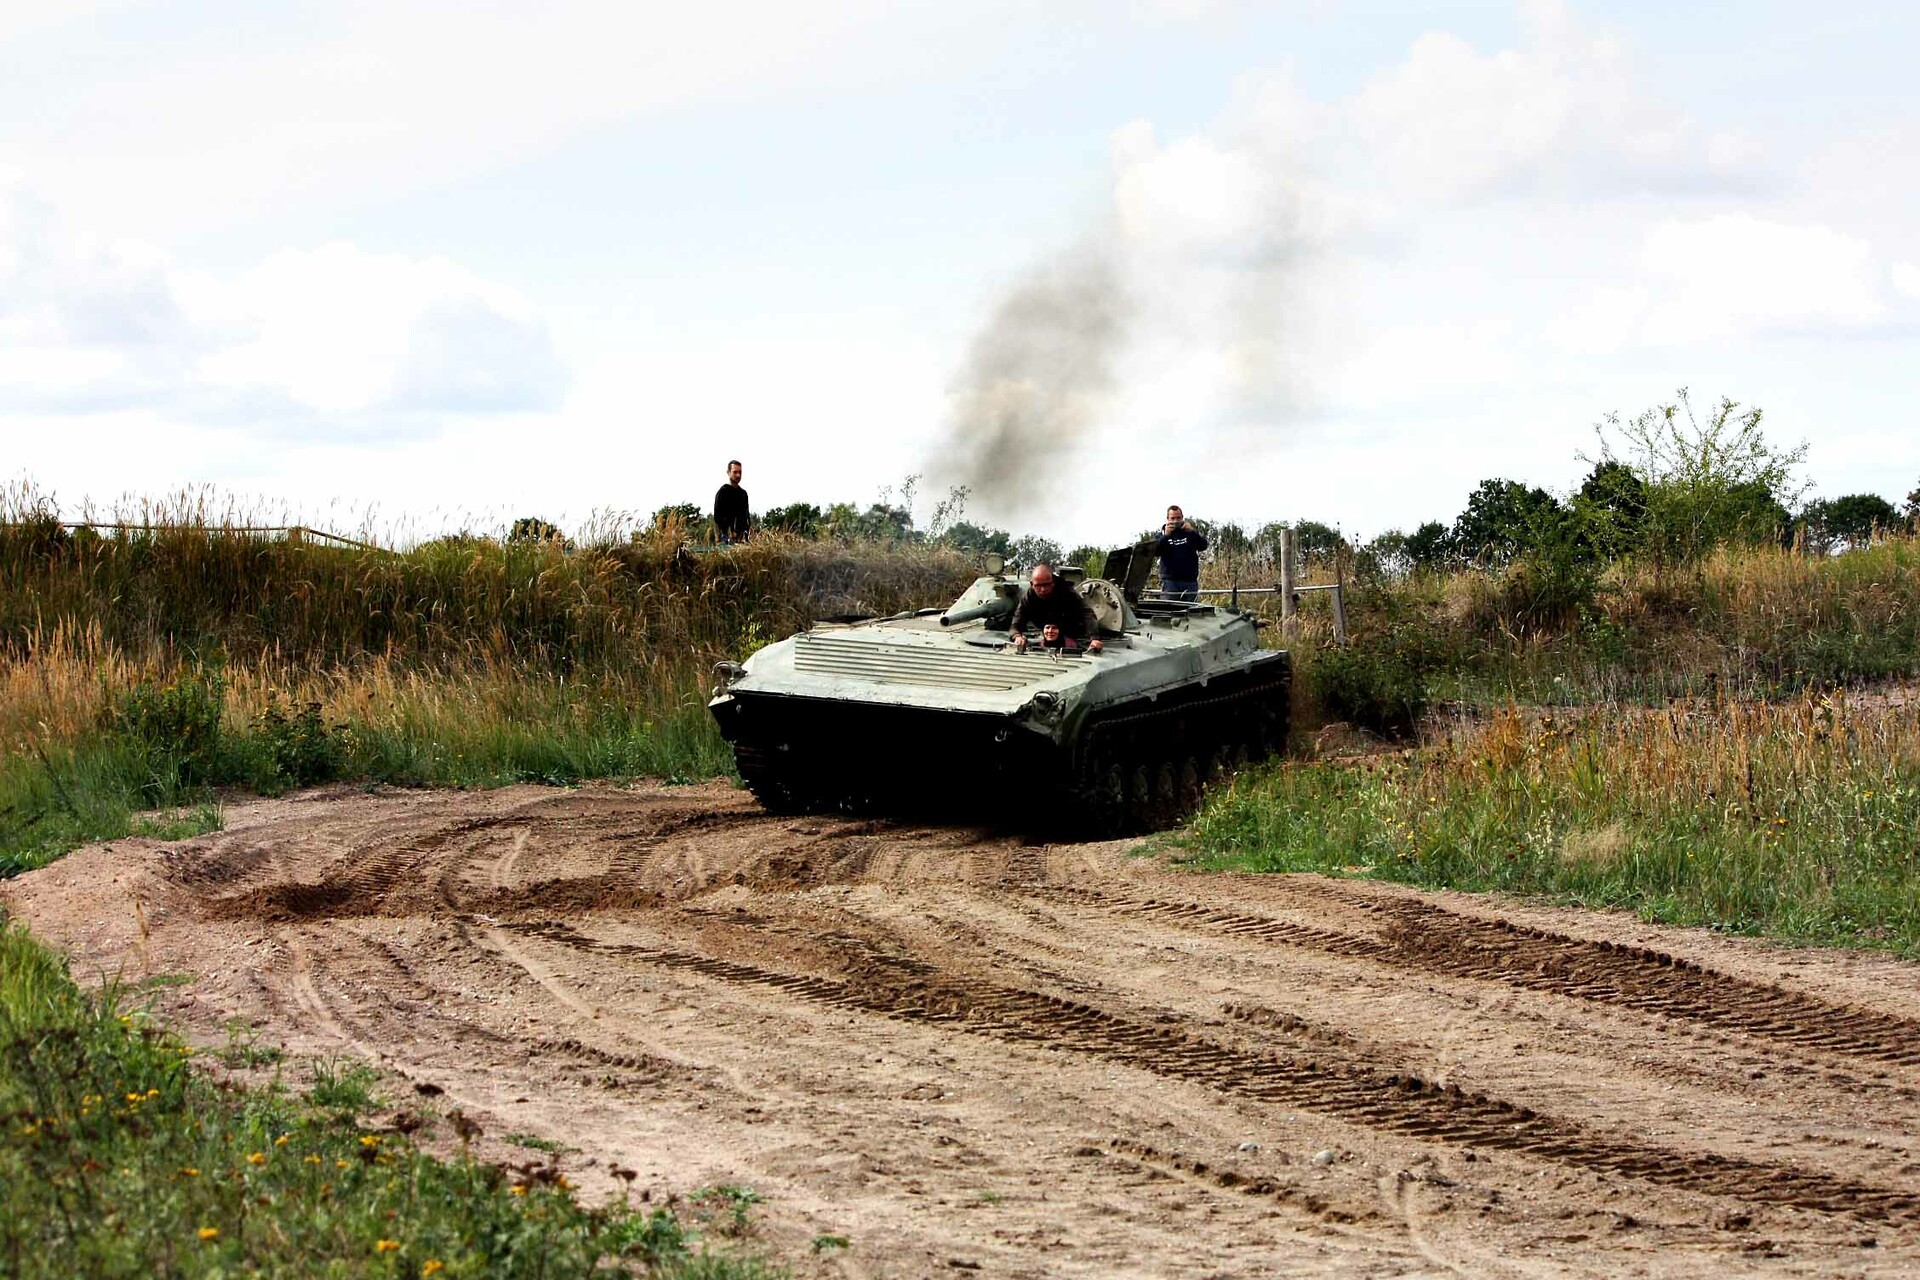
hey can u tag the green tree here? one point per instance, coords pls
(1430, 548)
(880, 522)
(1030, 549)
(1092, 559)
(1383, 556)
(800, 518)
(1852, 521)
(1317, 542)
(532, 529)
(1504, 518)
(977, 540)
(1610, 509)
(1709, 479)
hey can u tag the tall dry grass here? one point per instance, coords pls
(1794, 818)
(462, 660)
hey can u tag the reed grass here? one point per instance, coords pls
(465, 661)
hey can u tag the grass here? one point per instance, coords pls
(1758, 622)
(148, 670)
(1793, 819)
(123, 1157)
(142, 675)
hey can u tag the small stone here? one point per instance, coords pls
(1325, 1156)
(1248, 1147)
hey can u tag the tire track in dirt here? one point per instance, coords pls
(1432, 939)
(1397, 1103)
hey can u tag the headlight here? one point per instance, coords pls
(1046, 705)
(724, 674)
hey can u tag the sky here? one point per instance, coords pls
(425, 266)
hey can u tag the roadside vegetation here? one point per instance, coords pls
(1677, 691)
(1794, 818)
(124, 1155)
(146, 672)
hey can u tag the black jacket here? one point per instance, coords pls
(1179, 554)
(1062, 606)
(730, 512)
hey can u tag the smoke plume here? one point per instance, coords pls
(1033, 381)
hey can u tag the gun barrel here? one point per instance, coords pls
(996, 608)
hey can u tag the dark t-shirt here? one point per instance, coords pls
(730, 512)
(1062, 606)
(1179, 554)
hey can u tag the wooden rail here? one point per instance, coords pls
(294, 533)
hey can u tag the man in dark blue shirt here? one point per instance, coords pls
(1179, 545)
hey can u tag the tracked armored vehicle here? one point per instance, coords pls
(936, 709)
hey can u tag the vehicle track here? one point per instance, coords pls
(1398, 1103)
(952, 1042)
(1430, 938)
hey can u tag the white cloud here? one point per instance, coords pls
(339, 331)
(326, 341)
(197, 125)
(1906, 279)
(1734, 273)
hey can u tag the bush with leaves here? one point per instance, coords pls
(175, 726)
(1709, 480)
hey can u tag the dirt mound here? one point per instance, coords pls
(957, 1048)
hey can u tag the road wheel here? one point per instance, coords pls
(1187, 788)
(1165, 804)
(1107, 800)
(1140, 798)
(777, 793)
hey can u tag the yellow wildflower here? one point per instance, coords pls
(153, 1093)
(133, 1099)
(339, 1164)
(430, 1266)
(189, 1172)
(369, 1140)
(385, 1246)
(209, 1233)
(518, 1188)
(282, 1140)
(258, 1157)
(313, 1159)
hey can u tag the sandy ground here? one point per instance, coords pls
(969, 1054)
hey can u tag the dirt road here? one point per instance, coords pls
(972, 1055)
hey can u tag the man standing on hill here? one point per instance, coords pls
(1179, 545)
(730, 517)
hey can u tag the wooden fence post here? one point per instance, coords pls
(1289, 604)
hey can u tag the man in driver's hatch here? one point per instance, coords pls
(1048, 600)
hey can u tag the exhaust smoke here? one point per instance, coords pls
(1034, 379)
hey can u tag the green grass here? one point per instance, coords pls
(534, 1142)
(1794, 821)
(106, 783)
(121, 1157)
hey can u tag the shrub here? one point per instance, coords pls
(1381, 688)
(176, 727)
(298, 747)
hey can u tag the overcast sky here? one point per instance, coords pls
(456, 262)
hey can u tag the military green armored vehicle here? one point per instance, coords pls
(935, 708)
